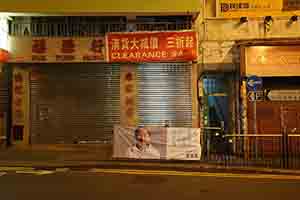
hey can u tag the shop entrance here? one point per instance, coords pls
(218, 111)
(278, 120)
(218, 93)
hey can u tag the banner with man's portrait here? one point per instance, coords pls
(157, 143)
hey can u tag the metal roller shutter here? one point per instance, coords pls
(165, 93)
(75, 102)
(4, 93)
(4, 106)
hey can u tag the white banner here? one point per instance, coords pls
(63, 50)
(157, 143)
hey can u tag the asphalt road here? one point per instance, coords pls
(84, 185)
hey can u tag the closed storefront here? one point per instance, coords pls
(163, 80)
(73, 90)
(71, 103)
(4, 106)
(165, 94)
(80, 103)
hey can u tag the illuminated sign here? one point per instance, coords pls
(272, 60)
(248, 8)
(152, 46)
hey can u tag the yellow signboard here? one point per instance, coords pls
(71, 7)
(266, 61)
(248, 8)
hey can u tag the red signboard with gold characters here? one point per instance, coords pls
(152, 46)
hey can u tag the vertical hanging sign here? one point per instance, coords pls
(20, 100)
(128, 96)
(19, 96)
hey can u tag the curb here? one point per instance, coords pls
(86, 165)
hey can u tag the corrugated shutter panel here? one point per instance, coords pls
(75, 102)
(164, 93)
(4, 93)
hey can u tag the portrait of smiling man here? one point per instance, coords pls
(142, 149)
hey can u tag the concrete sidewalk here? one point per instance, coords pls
(84, 160)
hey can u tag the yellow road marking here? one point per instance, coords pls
(62, 169)
(36, 172)
(199, 174)
(16, 168)
(2, 173)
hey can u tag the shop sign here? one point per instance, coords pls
(19, 101)
(152, 46)
(266, 61)
(128, 96)
(247, 8)
(48, 50)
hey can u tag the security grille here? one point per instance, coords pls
(74, 103)
(165, 93)
(89, 26)
(4, 93)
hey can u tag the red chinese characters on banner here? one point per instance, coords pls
(68, 46)
(39, 46)
(152, 46)
(97, 45)
(39, 49)
(129, 89)
(67, 50)
(96, 50)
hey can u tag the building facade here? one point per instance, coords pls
(244, 39)
(65, 92)
(236, 40)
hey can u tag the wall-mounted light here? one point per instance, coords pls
(268, 21)
(294, 18)
(243, 20)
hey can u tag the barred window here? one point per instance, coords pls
(93, 26)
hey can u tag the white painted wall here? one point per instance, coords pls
(4, 43)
